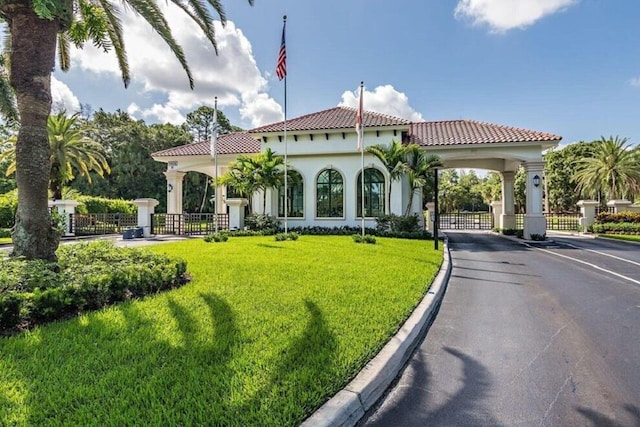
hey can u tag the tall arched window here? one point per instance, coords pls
(295, 196)
(374, 193)
(329, 194)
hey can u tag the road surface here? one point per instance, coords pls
(540, 335)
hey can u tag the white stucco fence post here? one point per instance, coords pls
(619, 205)
(588, 212)
(146, 208)
(65, 208)
(236, 213)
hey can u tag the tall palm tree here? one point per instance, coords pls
(392, 157)
(420, 167)
(613, 170)
(71, 153)
(35, 28)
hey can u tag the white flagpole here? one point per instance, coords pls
(361, 146)
(281, 70)
(214, 153)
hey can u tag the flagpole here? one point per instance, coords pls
(362, 155)
(281, 72)
(215, 158)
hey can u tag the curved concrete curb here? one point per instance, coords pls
(350, 404)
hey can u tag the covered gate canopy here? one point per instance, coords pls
(326, 141)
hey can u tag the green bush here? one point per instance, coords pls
(260, 222)
(538, 237)
(367, 238)
(5, 232)
(221, 236)
(94, 204)
(281, 237)
(349, 231)
(398, 223)
(87, 276)
(616, 227)
(8, 207)
(629, 217)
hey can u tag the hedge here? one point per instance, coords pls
(630, 217)
(86, 277)
(616, 227)
(94, 204)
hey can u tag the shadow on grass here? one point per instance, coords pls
(128, 370)
(301, 374)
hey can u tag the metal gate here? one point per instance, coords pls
(188, 223)
(466, 221)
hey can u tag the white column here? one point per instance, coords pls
(534, 219)
(236, 213)
(496, 209)
(588, 212)
(508, 216)
(65, 208)
(174, 191)
(146, 208)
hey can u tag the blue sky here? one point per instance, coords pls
(570, 67)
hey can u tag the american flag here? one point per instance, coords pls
(281, 66)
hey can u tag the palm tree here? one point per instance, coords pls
(612, 170)
(271, 172)
(35, 28)
(392, 158)
(71, 153)
(420, 167)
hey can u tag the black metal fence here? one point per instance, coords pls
(101, 223)
(188, 223)
(466, 221)
(555, 221)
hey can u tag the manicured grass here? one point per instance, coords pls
(5, 239)
(263, 335)
(627, 237)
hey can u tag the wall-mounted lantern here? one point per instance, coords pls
(536, 181)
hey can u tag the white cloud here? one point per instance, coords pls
(504, 15)
(233, 76)
(63, 97)
(635, 82)
(384, 99)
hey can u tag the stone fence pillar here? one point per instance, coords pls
(236, 213)
(65, 208)
(619, 205)
(496, 209)
(146, 208)
(430, 217)
(588, 212)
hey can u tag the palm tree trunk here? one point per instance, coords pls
(32, 60)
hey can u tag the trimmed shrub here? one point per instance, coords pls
(267, 224)
(221, 236)
(629, 217)
(367, 238)
(349, 231)
(616, 227)
(398, 223)
(94, 204)
(87, 276)
(5, 232)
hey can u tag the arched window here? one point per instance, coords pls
(295, 196)
(329, 194)
(374, 193)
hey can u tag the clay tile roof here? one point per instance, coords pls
(463, 132)
(232, 143)
(333, 118)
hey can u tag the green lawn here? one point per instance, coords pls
(263, 335)
(627, 237)
(5, 239)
